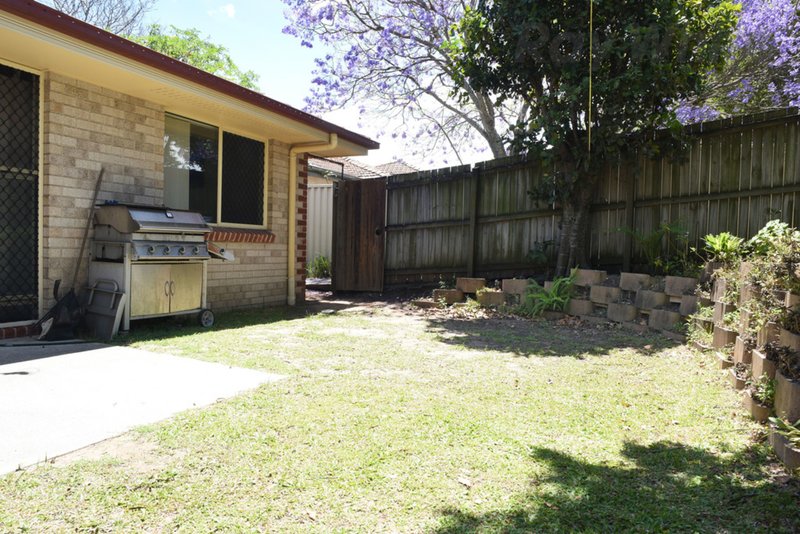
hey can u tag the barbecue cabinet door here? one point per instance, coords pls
(150, 288)
(186, 288)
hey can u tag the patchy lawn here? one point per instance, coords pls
(398, 421)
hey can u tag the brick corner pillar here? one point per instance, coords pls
(302, 227)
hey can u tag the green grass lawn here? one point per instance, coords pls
(392, 421)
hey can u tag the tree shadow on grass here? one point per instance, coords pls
(670, 488)
(541, 338)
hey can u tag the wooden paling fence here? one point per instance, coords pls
(736, 175)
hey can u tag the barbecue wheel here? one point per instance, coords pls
(206, 318)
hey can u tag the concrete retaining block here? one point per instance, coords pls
(677, 286)
(788, 339)
(787, 398)
(586, 277)
(689, 304)
(720, 309)
(515, 286)
(762, 366)
(723, 337)
(648, 300)
(663, 319)
(580, 307)
(634, 281)
(491, 299)
(769, 333)
(604, 295)
(622, 313)
(448, 296)
(470, 285)
(741, 353)
(718, 291)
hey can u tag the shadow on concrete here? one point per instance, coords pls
(24, 352)
(669, 488)
(542, 338)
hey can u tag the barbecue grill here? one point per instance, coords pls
(155, 256)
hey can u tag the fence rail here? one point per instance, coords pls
(736, 175)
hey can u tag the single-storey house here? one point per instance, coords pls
(75, 98)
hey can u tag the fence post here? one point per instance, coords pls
(630, 220)
(472, 252)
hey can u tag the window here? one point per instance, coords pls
(191, 168)
(243, 186)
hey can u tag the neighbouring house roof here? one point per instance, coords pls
(394, 168)
(60, 23)
(352, 169)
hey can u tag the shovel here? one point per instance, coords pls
(60, 322)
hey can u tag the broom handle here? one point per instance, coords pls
(88, 227)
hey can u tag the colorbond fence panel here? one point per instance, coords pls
(735, 175)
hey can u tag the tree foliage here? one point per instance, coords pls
(390, 58)
(188, 46)
(645, 57)
(123, 17)
(762, 70)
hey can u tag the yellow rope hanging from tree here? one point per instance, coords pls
(591, 65)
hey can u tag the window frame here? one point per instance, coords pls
(220, 154)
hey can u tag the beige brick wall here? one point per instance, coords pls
(258, 277)
(85, 128)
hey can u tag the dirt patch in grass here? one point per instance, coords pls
(134, 452)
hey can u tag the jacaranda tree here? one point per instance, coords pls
(762, 70)
(389, 59)
(645, 56)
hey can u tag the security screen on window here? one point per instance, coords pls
(190, 166)
(242, 180)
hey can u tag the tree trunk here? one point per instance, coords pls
(575, 219)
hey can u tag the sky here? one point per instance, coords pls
(251, 30)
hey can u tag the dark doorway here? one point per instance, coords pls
(19, 195)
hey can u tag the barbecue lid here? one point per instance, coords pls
(128, 219)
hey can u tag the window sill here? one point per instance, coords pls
(225, 234)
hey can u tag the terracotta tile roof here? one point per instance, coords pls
(352, 168)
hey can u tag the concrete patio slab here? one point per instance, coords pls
(57, 399)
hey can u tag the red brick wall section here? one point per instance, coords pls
(302, 227)
(11, 332)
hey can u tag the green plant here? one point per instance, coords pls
(770, 237)
(542, 253)
(666, 249)
(447, 283)
(789, 431)
(763, 390)
(724, 247)
(731, 320)
(538, 300)
(705, 313)
(319, 267)
(486, 289)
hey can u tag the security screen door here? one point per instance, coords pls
(19, 195)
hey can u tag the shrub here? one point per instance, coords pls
(724, 247)
(319, 267)
(538, 300)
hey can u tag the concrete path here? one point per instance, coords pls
(57, 399)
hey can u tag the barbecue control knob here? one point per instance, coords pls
(181, 251)
(151, 250)
(166, 250)
(196, 251)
